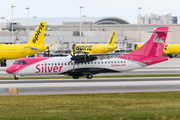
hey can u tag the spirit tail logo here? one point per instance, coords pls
(38, 33)
(112, 38)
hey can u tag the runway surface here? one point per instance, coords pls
(70, 86)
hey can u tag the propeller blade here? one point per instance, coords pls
(70, 53)
(51, 44)
(69, 61)
(73, 66)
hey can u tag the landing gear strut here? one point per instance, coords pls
(3, 63)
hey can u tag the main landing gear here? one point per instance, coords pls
(88, 76)
(75, 77)
(3, 63)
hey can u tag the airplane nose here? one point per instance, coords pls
(10, 69)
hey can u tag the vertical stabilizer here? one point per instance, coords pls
(155, 45)
(38, 36)
(112, 38)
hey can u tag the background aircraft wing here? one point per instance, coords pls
(104, 54)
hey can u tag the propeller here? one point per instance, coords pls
(73, 56)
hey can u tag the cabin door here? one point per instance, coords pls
(22, 50)
(130, 63)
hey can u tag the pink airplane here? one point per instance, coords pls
(76, 65)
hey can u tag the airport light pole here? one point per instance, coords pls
(84, 17)
(28, 19)
(80, 24)
(139, 23)
(12, 21)
(35, 22)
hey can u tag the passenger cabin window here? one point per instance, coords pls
(20, 62)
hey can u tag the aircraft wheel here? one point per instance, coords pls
(3, 63)
(89, 76)
(75, 77)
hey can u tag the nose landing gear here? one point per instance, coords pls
(16, 77)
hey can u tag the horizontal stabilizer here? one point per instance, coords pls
(158, 31)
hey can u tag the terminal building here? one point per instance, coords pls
(94, 30)
(157, 19)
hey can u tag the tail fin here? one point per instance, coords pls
(112, 38)
(155, 45)
(38, 35)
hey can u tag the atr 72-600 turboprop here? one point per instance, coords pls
(87, 65)
(34, 45)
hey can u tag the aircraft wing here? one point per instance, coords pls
(33, 48)
(103, 54)
(82, 58)
(81, 52)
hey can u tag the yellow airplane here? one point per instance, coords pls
(34, 45)
(169, 49)
(96, 49)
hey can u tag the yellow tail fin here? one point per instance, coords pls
(38, 35)
(112, 38)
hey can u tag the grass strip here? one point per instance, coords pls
(104, 106)
(113, 76)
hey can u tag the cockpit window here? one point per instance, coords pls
(20, 62)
